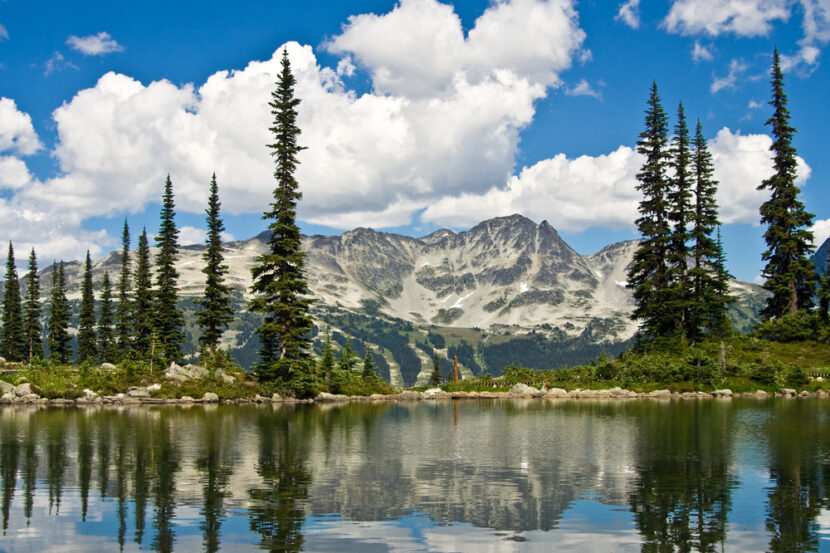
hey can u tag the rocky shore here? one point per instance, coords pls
(23, 395)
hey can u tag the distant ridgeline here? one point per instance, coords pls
(506, 291)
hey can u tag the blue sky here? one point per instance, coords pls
(418, 115)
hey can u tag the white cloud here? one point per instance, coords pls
(700, 52)
(16, 130)
(191, 235)
(601, 191)
(4, 33)
(583, 88)
(736, 69)
(94, 45)
(716, 17)
(821, 231)
(57, 63)
(754, 105)
(629, 13)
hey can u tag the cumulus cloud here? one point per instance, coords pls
(583, 88)
(94, 45)
(16, 131)
(736, 69)
(575, 194)
(629, 13)
(438, 121)
(821, 231)
(716, 17)
(700, 52)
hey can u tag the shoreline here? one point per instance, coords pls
(406, 396)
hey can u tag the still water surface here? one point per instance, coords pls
(741, 475)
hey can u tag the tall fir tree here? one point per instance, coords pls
(87, 347)
(60, 347)
(680, 214)
(142, 322)
(32, 329)
(13, 343)
(216, 311)
(824, 293)
(106, 336)
(369, 373)
(124, 311)
(789, 272)
(347, 360)
(648, 275)
(168, 319)
(280, 288)
(435, 377)
(710, 283)
(325, 366)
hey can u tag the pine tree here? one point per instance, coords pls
(87, 349)
(105, 330)
(680, 213)
(60, 348)
(124, 311)
(824, 293)
(789, 273)
(435, 377)
(347, 360)
(326, 362)
(13, 346)
(648, 276)
(710, 282)
(32, 329)
(142, 322)
(369, 373)
(279, 284)
(167, 317)
(216, 312)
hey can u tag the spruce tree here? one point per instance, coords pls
(142, 322)
(216, 312)
(718, 299)
(824, 294)
(60, 348)
(326, 362)
(789, 273)
(87, 348)
(105, 323)
(13, 346)
(167, 317)
(679, 198)
(347, 360)
(648, 275)
(435, 377)
(369, 373)
(280, 288)
(124, 311)
(32, 329)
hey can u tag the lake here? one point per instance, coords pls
(470, 476)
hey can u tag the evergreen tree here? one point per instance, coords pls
(32, 329)
(105, 329)
(789, 273)
(648, 275)
(124, 311)
(680, 213)
(142, 322)
(435, 377)
(279, 283)
(60, 348)
(87, 348)
(216, 312)
(326, 362)
(710, 282)
(168, 318)
(824, 295)
(347, 360)
(369, 373)
(13, 346)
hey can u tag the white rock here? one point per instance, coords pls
(2, 359)
(196, 371)
(210, 397)
(275, 397)
(153, 388)
(108, 367)
(788, 392)
(23, 389)
(726, 392)
(523, 389)
(660, 394)
(556, 393)
(137, 391)
(5, 387)
(325, 397)
(89, 394)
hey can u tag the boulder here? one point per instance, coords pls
(176, 372)
(210, 397)
(7, 398)
(787, 392)
(726, 392)
(275, 397)
(523, 390)
(2, 359)
(761, 394)
(153, 388)
(660, 394)
(187, 399)
(325, 397)
(196, 371)
(6, 388)
(226, 379)
(137, 391)
(805, 393)
(435, 393)
(556, 393)
(108, 367)
(23, 389)
(409, 395)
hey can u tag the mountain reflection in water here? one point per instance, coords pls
(740, 475)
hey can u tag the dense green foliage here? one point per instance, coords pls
(106, 335)
(142, 304)
(279, 285)
(435, 376)
(216, 312)
(87, 347)
(167, 317)
(125, 310)
(32, 329)
(680, 214)
(789, 272)
(13, 340)
(59, 312)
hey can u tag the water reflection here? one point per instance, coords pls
(437, 476)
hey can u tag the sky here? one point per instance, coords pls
(416, 115)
